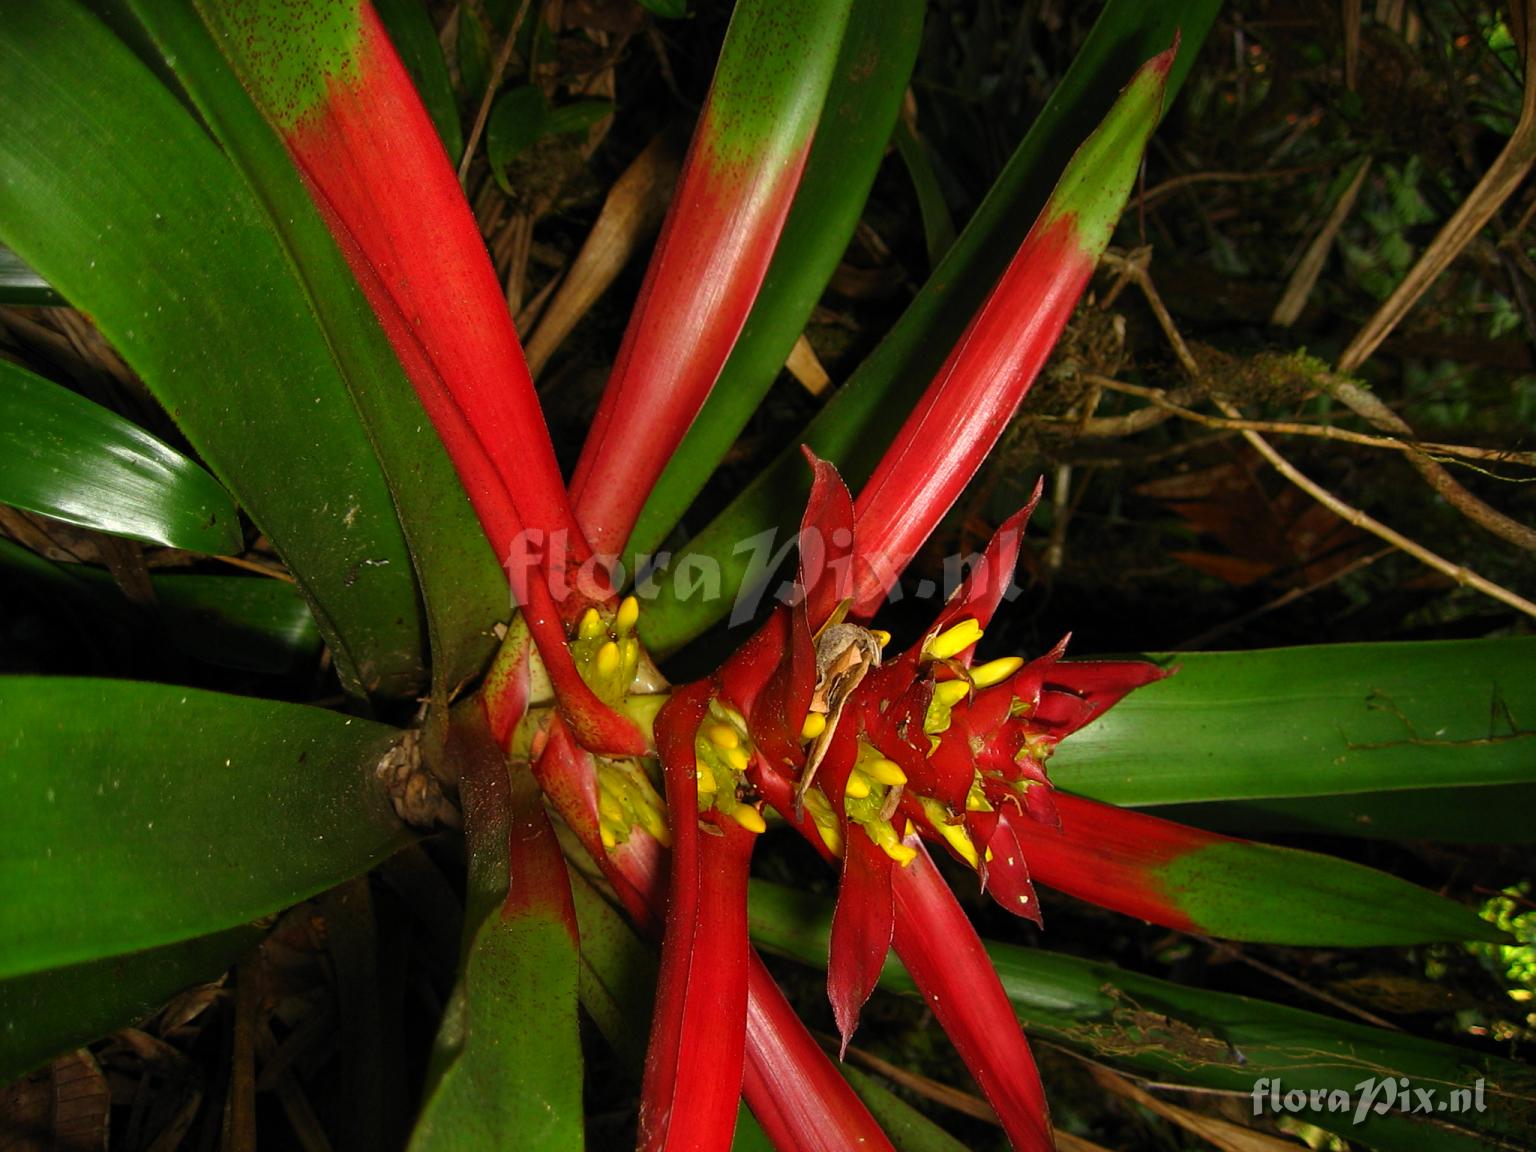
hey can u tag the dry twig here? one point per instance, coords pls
(1134, 267)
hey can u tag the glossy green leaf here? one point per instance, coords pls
(138, 815)
(415, 39)
(65, 457)
(20, 285)
(859, 422)
(1337, 718)
(46, 1013)
(507, 1061)
(938, 225)
(873, 67)
(1204, 1038)
(1488, 814)
(250, 623)
(181, 272)
(464, 589)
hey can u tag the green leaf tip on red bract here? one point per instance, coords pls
(965, 409)
(718, 239)
(1196, 881)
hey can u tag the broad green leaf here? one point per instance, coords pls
(1337, 718)
(873, 67)
(181, 272)
(65, 457)
(859, 422)
(46, 1013)
(253, 624)
(461, 583)
(22, 286)
(1203, 1038)
(139, 815)
(507, 1061)
(1486, 814)
(415, 39)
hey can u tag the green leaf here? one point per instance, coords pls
(462, 585)
(411, 32)
(859, 422)
(516, 123)
(908, 1128)
(938, 226)
(249, 623)
(65, 457)
(1207, 1039)
(474, 55)
(872, 70)
(1331, 719)
(181, 272)
(138, 815)
(46, 1013)
(507, 1063)
(1487, 814)
(19, 285)
(618, 976)
(668, 9)
(578, 116)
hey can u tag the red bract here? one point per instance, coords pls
(923, 744)
(861, 754)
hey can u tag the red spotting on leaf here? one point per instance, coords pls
(701, 999)
(951, 969)
(1112, 857)
(964, 411)
(862, 923)
(425, 252)
(795, 1093)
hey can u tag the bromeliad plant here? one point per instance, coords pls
(269, 231)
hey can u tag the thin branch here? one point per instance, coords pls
(1232, 952)
(1174, 183)
(494, 83)
(1371, 406)
(1134, 266)
(1351, 515)
(1171, 405)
